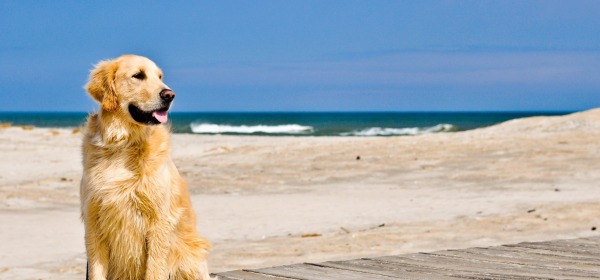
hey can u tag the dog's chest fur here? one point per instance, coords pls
(134, 176)
(128, 190)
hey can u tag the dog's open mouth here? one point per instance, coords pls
(151, 117)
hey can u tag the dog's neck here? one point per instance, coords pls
(112, 129)
(144, 148)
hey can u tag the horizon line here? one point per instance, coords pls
(319, 111)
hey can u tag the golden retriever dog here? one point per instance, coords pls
(139, 221)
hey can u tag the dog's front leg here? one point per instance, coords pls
(97, 252)
(157, 243)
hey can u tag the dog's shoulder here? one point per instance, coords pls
(91, 122)
(91, 131)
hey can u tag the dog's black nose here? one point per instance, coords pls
(167, 94)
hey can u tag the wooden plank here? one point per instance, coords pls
(475, 268)
(560, 259)
(527, 260)
(537, 254)
(545, 253)
(569, 245)
(313, 272)
(247, 275)
(458, 272)
(590, 242)
(579, 250)
(572, 246)
(592, 238)
(387, 269)
(536, 257)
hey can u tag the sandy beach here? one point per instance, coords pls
(267, 201)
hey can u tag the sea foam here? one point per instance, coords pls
(380, 131)
(208, 128)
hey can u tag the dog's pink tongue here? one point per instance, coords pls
(161, 116)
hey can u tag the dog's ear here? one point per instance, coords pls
(102, 85)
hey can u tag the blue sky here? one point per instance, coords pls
(336, 55)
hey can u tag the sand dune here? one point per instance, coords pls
(276, 200)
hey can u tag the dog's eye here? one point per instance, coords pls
(139, 75)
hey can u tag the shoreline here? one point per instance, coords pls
(266, 200)
(300, 123)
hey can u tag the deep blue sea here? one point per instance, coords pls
(300, 124)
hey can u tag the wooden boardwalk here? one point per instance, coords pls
(559, 259)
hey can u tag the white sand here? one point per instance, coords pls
(524, 180)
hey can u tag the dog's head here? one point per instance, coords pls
(132, 86)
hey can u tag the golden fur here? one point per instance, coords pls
(139, 221)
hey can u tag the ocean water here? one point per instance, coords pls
(300, 124)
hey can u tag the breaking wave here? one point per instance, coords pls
(379, 131)
(208, 128)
